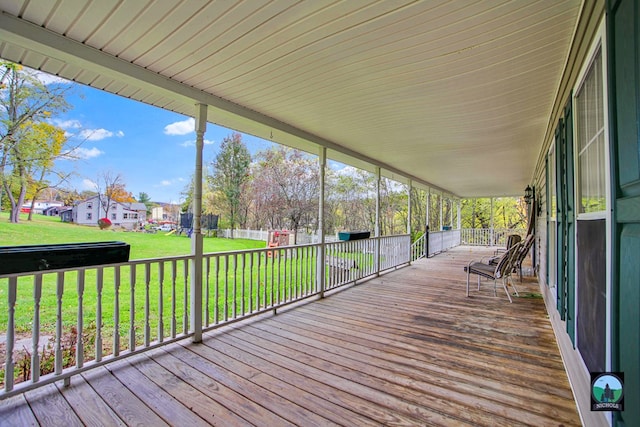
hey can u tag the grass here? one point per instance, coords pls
(102, 295)
(44, 230)
(233, 284)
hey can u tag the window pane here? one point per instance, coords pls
(591, 140)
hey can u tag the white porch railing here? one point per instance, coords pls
(302, 238)
(440, 241)
(64, 322)
(488, 236)
(418, 248)
(347, 262)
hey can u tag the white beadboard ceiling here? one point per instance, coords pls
(455, 95)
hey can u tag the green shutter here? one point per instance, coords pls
(565, 215)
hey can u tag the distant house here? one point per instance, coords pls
(123, 214)
(66, 214)
(40, 206)
(54, 210)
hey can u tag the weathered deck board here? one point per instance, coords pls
(407, 348)
(82, 395)
(15, 411)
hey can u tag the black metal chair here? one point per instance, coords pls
(500, 270)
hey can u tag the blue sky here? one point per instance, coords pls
(153, 149)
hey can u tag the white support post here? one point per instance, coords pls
(440, 216)
(377, 226)
(426, 228)
(320, 269)
(459, 218)
(196, 235)
(409, 208)
(491, 234)
(428, 210)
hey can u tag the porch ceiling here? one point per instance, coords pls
(455, 95)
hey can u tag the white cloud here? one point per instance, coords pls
(165, 183)
(95, 134)
(119, 134)
(347, 170)
(192, 143)
(67, 124)
(181, 128)
(85, 153)
(87, 184)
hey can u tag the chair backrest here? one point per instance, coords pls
(524, 249)
(505, 262)
(512, 239)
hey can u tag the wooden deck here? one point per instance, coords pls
(407, 348)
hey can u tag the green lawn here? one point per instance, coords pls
(232, 284)
(44, 229)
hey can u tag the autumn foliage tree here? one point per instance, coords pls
(111, 188)
(28, 143)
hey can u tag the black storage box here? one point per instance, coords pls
(353, 235)
(21, 259)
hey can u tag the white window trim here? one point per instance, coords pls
(599, 42)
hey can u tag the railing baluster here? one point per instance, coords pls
(296, 266)
(35, 343)
(132, 308)
(174, 268)
(235, 285)
(260, 287)
(147, 283)
(273, 262)
(80, 322)
(99, 285)
(207, 268)
(58, 343)
(8, 363)
(216, 292)
(185, 297)
(161, 301)
(116, 311)
(251, 255)
(226, 287)
(242, 283)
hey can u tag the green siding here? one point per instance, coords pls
(623, 21)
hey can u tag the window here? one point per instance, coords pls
(88, 215)
(113, 216)
(590, 140)
(89, 205)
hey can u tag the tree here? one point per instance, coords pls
(230, 175)
(508, 213)
(144, 198)
(111, 189)
(25, 106)
(286, 182)
(48, 142)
